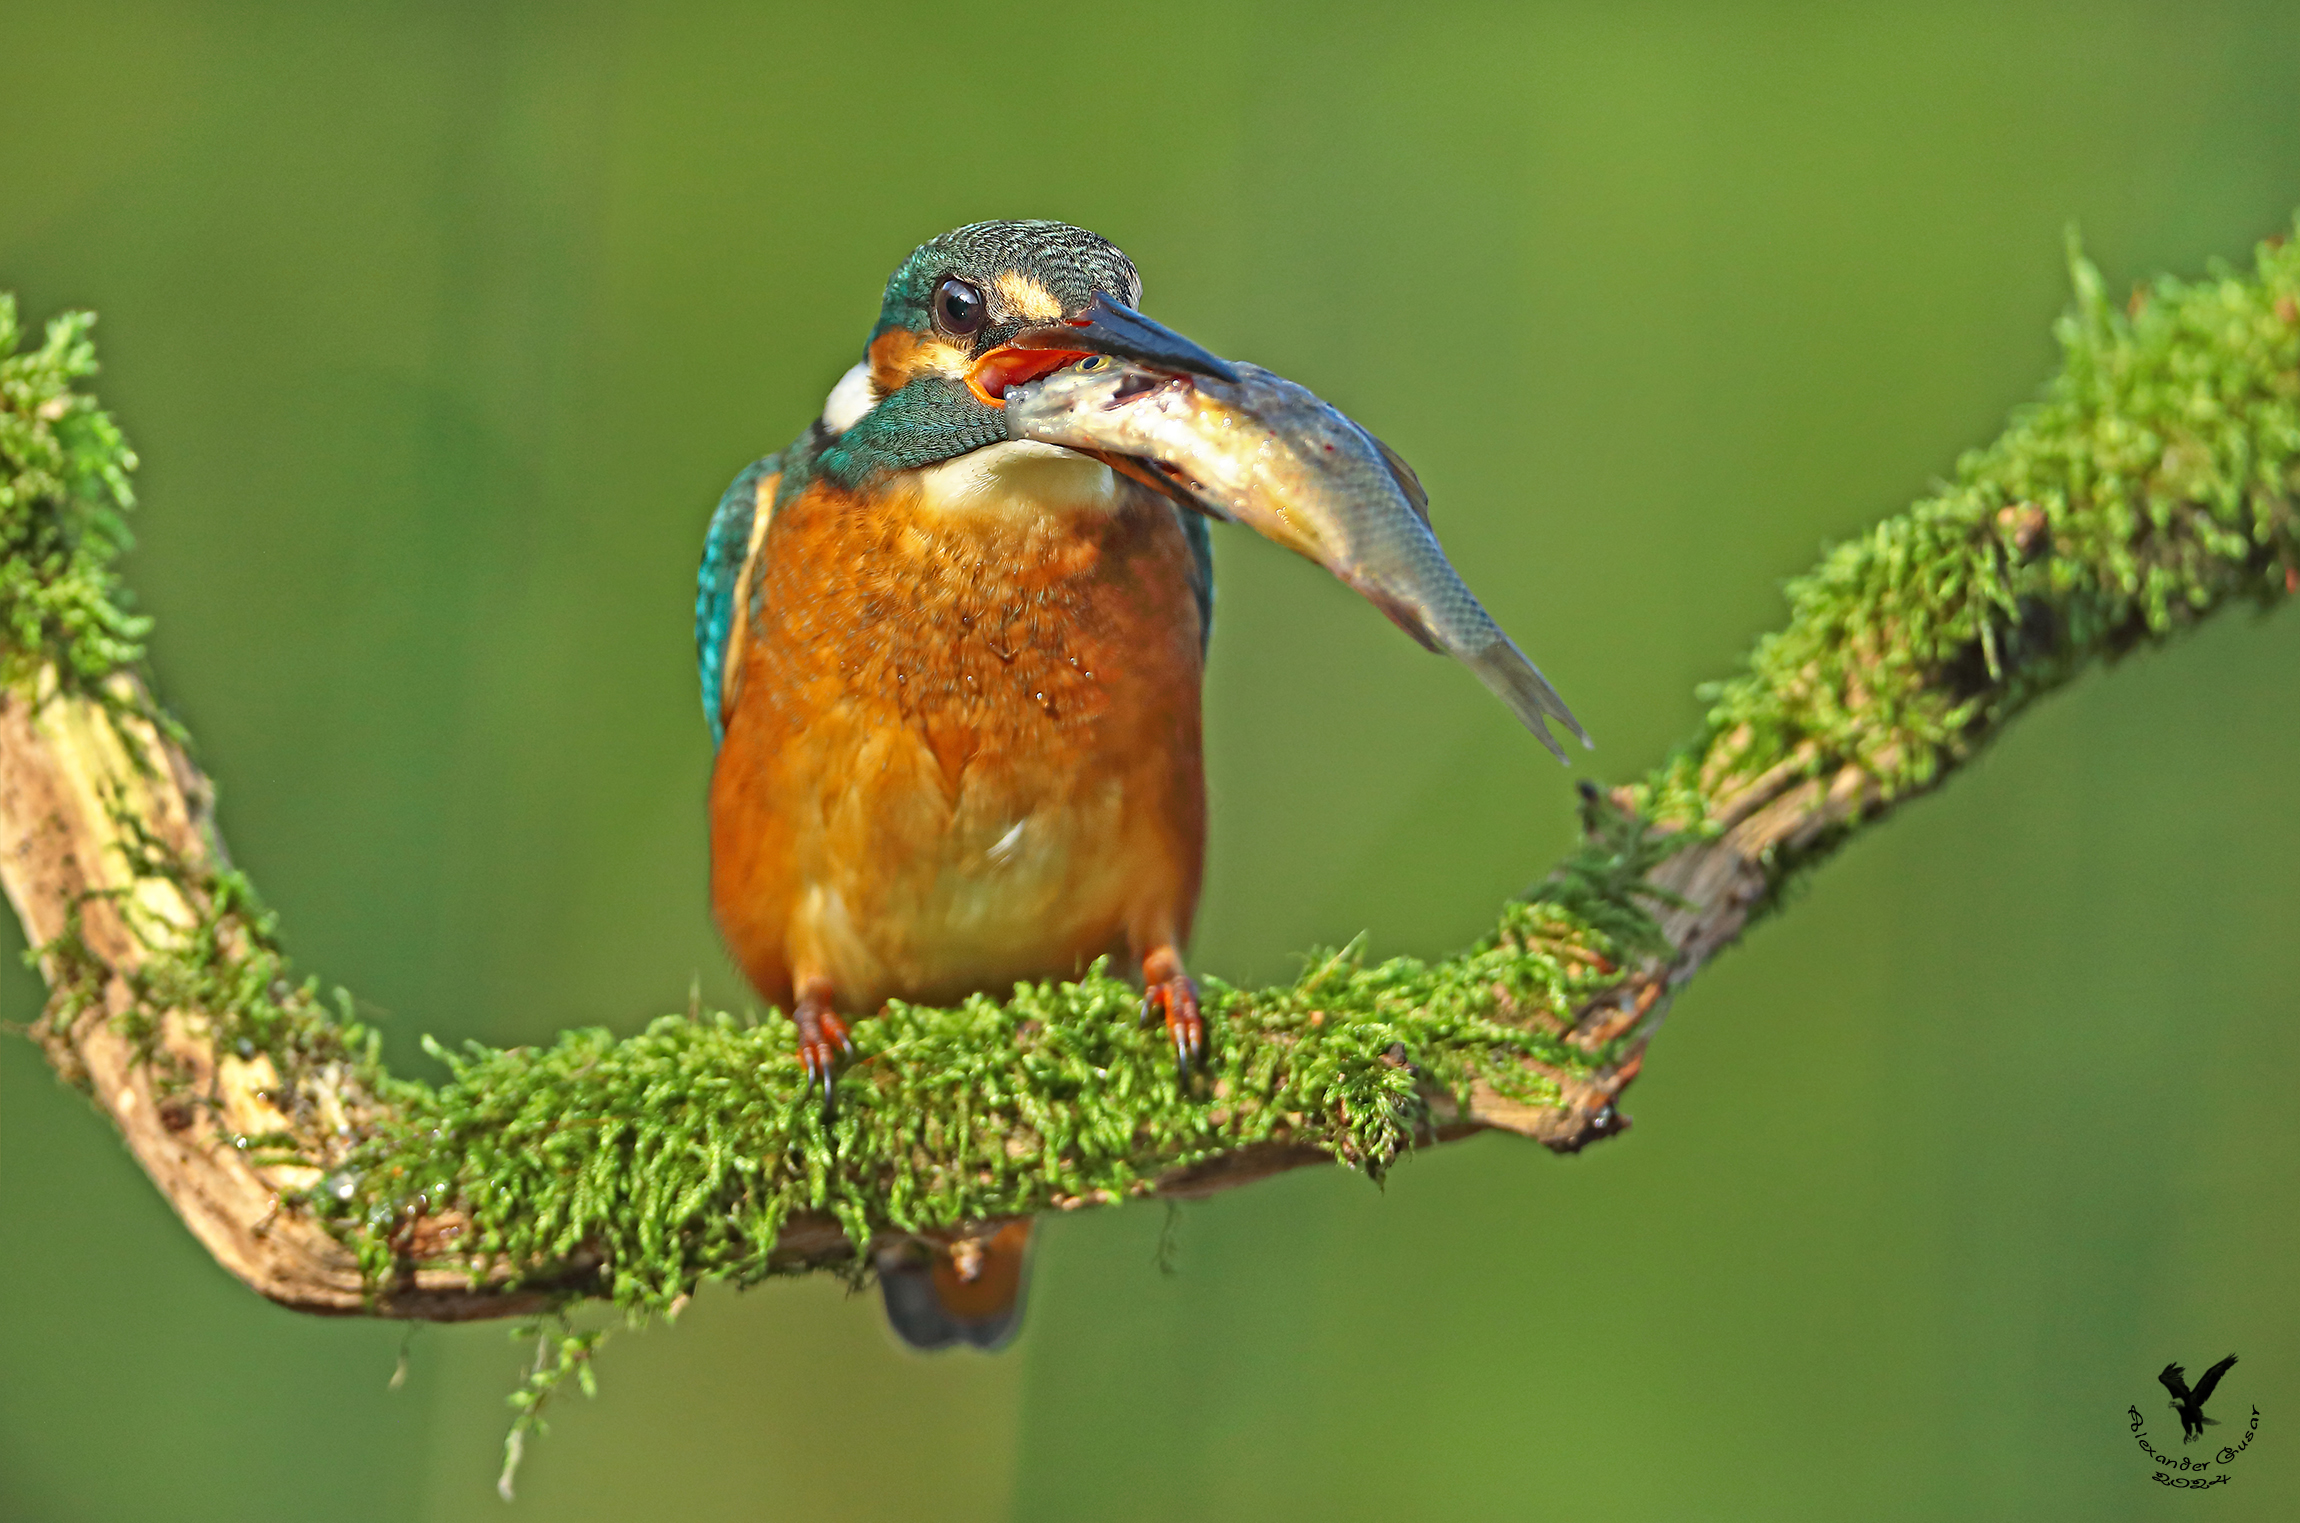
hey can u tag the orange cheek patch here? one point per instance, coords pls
(898, 357)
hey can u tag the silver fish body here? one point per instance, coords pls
(1267, 453)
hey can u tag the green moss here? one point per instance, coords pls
(2153, 483)
(63, 496)
(562, 1352)
(229, 974)
(678, 1154)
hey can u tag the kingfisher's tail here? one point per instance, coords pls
(968, 1292)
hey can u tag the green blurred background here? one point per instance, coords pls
(440, 328)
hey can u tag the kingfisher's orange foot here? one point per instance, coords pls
(823, 1040)
(1177, 999)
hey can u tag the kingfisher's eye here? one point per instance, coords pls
(959, 308)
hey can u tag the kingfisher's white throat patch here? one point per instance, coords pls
(1020, 477)
(850, 399)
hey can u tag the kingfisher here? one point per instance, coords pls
(952, 682)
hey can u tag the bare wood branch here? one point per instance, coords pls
(73, 770)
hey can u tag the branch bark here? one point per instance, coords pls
(87, 783)
(2154, 485)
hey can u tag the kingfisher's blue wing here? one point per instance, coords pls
(726, 546)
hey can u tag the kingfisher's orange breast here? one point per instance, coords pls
(963, 745)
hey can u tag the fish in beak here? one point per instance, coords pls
(1105, 327)
(1267, 453)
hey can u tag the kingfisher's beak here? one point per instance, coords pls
(1104, 327)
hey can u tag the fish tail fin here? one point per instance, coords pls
(1520, 684)
(938, 1295)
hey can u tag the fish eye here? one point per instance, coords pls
(1095, 362)
(959, 308)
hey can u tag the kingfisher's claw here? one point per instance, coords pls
(823, 1040)
(1177, 999)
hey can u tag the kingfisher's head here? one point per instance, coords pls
(991, 305)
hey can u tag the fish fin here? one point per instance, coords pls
(1401, 613)
(1417, 496)
(1520, 684)
(1150, 475)
(932, 1305)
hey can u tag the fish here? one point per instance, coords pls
(1270, 454)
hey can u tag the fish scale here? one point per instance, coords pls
(1270, 454)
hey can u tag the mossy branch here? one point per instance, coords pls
(2153, 485)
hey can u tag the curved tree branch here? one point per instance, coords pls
(2153, 485)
